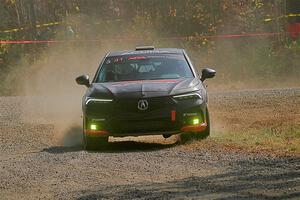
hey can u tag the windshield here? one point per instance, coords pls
(144, 67)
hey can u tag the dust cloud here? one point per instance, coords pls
(51, 94)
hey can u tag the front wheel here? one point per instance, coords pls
(185, 137)
(94, 142)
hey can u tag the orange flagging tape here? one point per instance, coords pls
(136, 39)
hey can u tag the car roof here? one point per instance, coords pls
(152, 51)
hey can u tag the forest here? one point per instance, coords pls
(242, 38)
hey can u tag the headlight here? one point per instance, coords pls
(188, 96)
(88, 100)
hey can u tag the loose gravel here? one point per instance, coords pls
(33, 165)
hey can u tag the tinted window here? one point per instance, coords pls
(154, 67)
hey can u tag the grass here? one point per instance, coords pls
(281, 140)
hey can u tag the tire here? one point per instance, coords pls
(95, 143)
(185, 137)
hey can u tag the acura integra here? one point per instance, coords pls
(145, 91)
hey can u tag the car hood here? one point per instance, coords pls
(144, 88)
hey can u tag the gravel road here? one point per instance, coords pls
(34, 164)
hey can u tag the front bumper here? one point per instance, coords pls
(189, 128)
(165, 116)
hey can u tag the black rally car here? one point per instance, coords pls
(146, 91)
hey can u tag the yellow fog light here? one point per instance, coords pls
(196, 121)
(93, 127)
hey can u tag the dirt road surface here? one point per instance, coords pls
(34, 165)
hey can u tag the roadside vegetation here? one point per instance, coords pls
(283, 141)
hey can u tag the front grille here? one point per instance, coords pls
(131, 105)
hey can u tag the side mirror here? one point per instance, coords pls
(83, 80)
(207, 73)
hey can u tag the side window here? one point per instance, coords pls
(102, 74)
